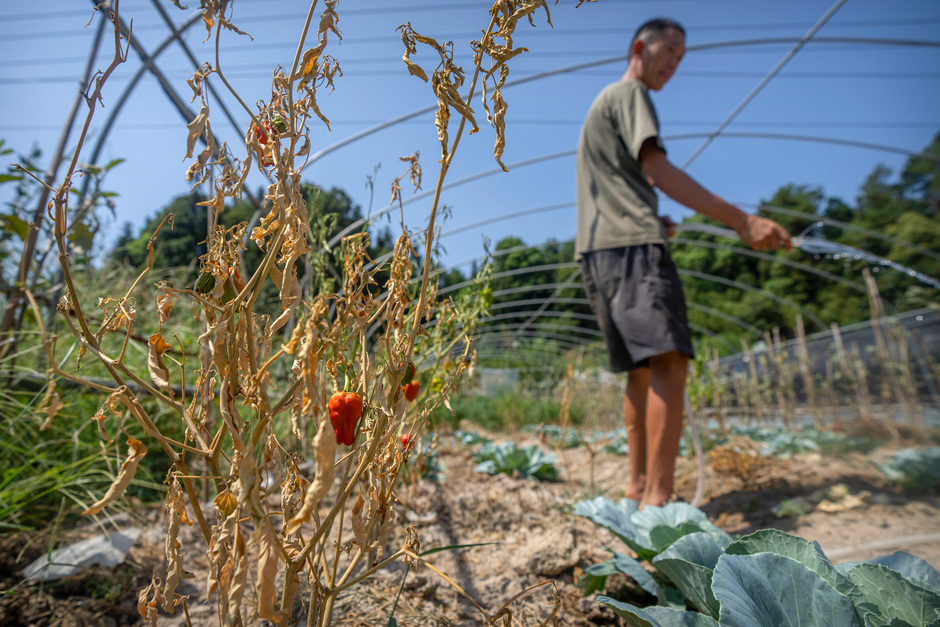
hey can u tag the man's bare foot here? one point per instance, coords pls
(654, 499)
(635, 490)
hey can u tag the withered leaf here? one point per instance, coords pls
(175, 514)
(135, 452)
(268, 559)
(158, 370)
(147, 607)
(164, 305)
(50, 404)
(195, 129)
(325, 444)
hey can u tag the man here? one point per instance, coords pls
(629, 276)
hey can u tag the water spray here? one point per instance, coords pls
(820, 246)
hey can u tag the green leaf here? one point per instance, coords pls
(508, 459)
(112, 163)
(453, 547)
(915, 468)
(616, 518)
(16, 225)
(656, 616)
(689, 564)
(799, 549)
(589, 583)
(911, 567)
(6, 178)
(895, 596)
(81, 237)
(768, 590)
(596, 575)
(671, 515)
(662, 536)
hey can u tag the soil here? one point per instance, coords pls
(526, 534)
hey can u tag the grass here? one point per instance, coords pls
(58, 472)
(506, 412)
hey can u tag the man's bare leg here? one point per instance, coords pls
(664, 406)
(634, 417)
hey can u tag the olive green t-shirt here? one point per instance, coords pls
(616, 204)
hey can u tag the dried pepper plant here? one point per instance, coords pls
(281, 540)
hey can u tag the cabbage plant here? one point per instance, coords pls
(506, 458)
(648, 533)
(766, 579)
(918, 469)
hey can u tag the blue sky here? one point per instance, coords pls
(856, 91)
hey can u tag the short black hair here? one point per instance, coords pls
(656, 27)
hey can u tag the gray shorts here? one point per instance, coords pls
(637, 296)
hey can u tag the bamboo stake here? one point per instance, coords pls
(754, 381)
(713, 367)
(890, 385)
(861, 402)
(809, 384)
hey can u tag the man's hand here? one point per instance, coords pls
(668, 225)
(758, 233)
(764, 234)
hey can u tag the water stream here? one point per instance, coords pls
(820, 246)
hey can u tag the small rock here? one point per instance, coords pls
(105, 550)
(549, 553)
(415, 581)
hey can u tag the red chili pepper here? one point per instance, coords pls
(262, 135)
(411, 390)
(345, 411)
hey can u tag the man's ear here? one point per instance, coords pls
(637, 48)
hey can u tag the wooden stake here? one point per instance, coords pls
(753, 383)
(809, 384)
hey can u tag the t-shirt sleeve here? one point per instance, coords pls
(638, 122)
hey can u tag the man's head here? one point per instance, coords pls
(655, 52)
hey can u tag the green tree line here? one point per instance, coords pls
(895, 216)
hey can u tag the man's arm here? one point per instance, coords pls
(758, 233)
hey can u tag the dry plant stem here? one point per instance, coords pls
(178, 461)
(547, 582)
(445, 166)
(288, 395)
(368, 573)
(260, 274)
(293, 70)
(33, 232)
(88, 339)
(450, 582)
(295, 565)
(218, 70)
(50, 354)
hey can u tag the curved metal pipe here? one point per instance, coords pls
(570, 330)
(115, 110)
(618, 59)
(504, 336)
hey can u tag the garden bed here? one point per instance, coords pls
(526, 532)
